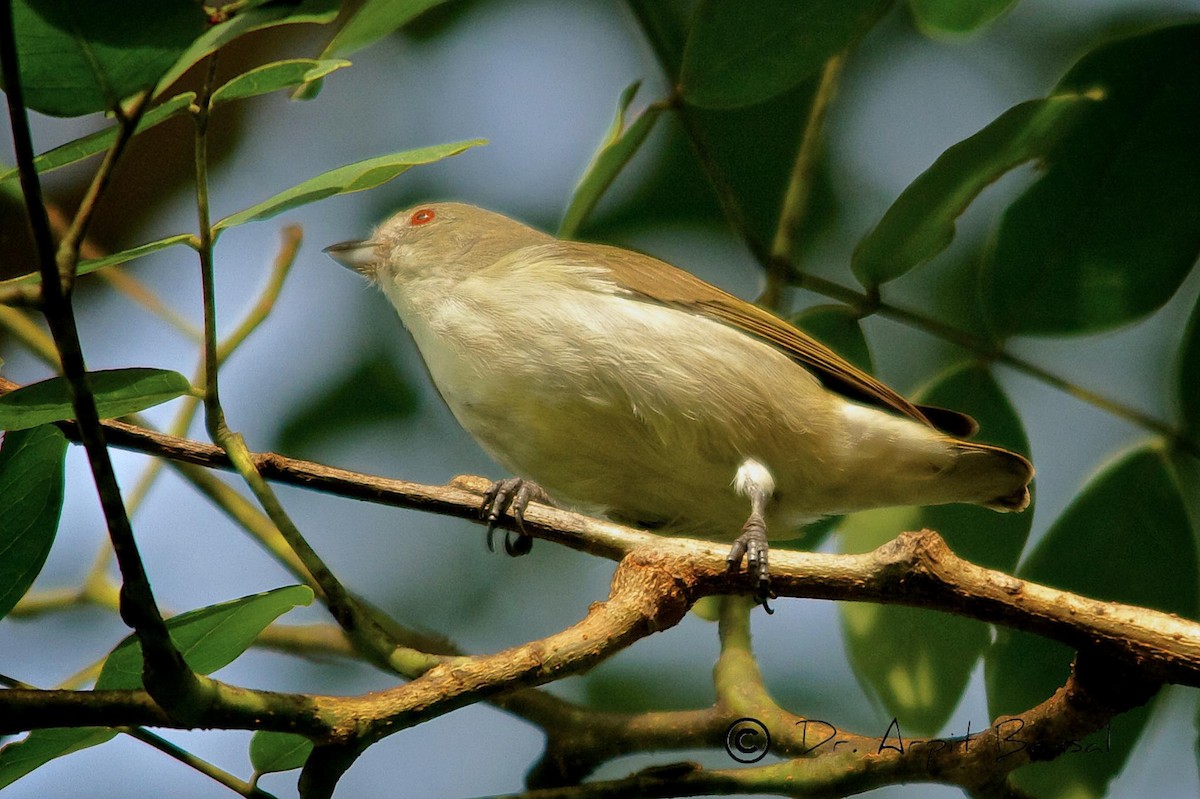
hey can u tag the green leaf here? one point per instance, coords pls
(31, 495)
(117, 391)
(271, 752)
(95, 264)
(956, 17)
(620, 144)
(837, 327)
(371, 390)
(1110, 230)
(345, 179)
(918, 661)
(208, 639)
(41, 746)
(97, 142)
(677, 187)
(87, 267)
(740, 54)
(258, 14)
(1188, 382)
(275, 76)
(374, 20)
(920, 224)
(1125, 538)
(80, 58)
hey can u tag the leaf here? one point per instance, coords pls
(275, 76)
(739, 54)
(677, 187)
(1125, 538)
(95, 264)
(208, 639)
(80, 58)
(371, 390)
(41, 746)
(920, 223)
(666, 24)
(79, 149)
(620, 144)
(374, 20)
(87, 267)
(838, 327)
(31, 496)
(117, 391)
(956, 17)
(1110, 230)
(918, 661)
(345, 179)
(1189, 375)
(272, 752)
(258, 14)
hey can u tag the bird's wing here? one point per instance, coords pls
(658, 281)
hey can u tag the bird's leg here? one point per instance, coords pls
(754, 481)
(513, 494)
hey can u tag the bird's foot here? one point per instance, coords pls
(512, 495)
(752, 545)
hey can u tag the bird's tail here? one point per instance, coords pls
(999, 479)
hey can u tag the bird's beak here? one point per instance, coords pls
(357, 255)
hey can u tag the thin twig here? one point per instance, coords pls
(988, 350)
(68, 249)
(794, 208)
(214, 416)
(233, 783)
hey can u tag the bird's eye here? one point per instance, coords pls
(422, 217)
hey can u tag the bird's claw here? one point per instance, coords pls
(752, 545)
(511, 495)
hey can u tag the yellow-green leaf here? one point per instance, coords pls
(117, 392)
(345, 179)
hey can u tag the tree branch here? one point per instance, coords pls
(915, 569)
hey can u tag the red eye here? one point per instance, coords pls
(422, 217)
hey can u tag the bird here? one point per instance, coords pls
(614, 383)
